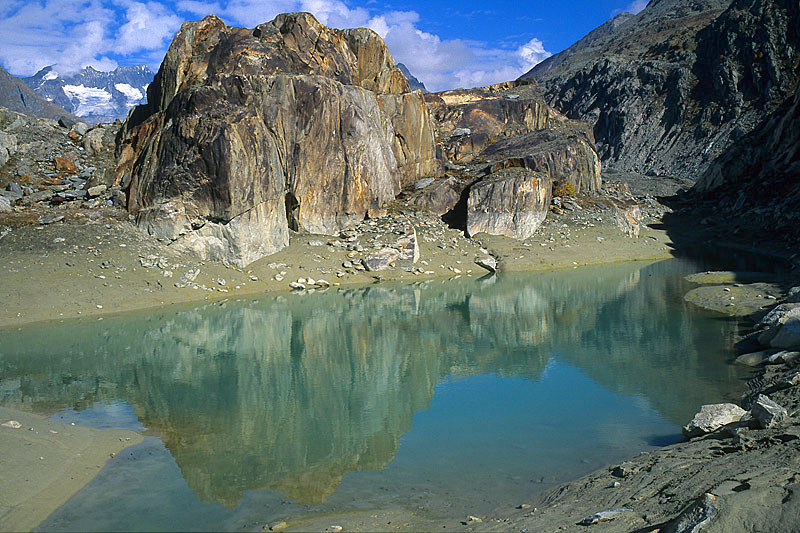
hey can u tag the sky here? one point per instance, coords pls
(447, 44)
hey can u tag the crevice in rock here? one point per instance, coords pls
(456, 218)
(292, 212)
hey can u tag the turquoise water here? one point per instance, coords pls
(449, 398)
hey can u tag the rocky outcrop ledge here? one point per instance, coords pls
(251, 132)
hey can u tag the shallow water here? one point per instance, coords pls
(448, 398)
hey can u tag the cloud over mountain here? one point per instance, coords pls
(72, 34)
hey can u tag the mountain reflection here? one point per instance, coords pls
(291, 393)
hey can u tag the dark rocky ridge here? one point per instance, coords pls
(17, 96)
(93, 95)
(413, 82)
(670, 89)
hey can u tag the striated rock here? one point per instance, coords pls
(713, 417)
(566, 153)
(768, 413)
(250, 133)
(628, 216)
(382, 259)
(469, 120)
(673, 87)
(513, 204)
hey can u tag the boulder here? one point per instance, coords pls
(5, 205)
(566, 152)
(513, 204)
(8, 145)
(94, 140)
(788, 336)
(438, 197)
(408, 246)
(80, 128)
(628, 216)
(488, 262)
(250, 133)
(383, 259)
(768, 413)
(713, 417)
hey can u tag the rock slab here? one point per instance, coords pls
(712, 417)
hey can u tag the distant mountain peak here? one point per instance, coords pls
(93, 95)
(413, 82)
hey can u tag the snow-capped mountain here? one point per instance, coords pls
(93, 95)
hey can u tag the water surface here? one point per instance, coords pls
(448, 398)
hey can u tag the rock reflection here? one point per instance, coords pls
(291, 393)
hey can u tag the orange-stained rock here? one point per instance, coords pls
(63, 164)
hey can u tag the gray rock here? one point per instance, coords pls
(754, 358)
(15, 188)
(50, 218)
(712, 417)
(511, 205)
(5, 205)
(768, 413)
(12, 196)
(605, 516)
(694, 519)
(80, 128)
(424, 182)
(788, 336)
(488, 262)
(382, 259)
(96, 191)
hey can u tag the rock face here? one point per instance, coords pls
(469, 120)
(566, 154)
(672, 88)
(250, 133)
(513, 204)
(754, 183)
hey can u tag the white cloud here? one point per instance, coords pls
(75, 33)
(148, 26)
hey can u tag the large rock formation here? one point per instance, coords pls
(468, 120)
(755, 184)
(250, 132)
(672, 88)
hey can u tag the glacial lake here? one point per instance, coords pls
(448, 398)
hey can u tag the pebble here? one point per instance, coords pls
(277, 526)
(13, 424)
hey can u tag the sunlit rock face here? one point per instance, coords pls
(251, 132)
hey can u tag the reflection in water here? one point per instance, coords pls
(291, 393)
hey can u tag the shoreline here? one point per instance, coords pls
(88, 268)
(110, 267)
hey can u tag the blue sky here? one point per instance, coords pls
(446, 44)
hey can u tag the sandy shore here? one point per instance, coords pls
(81, 269)
(44, 463)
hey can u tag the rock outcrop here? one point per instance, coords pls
(251, 132)
(469, 120)
(672, 88)
(755, 184)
